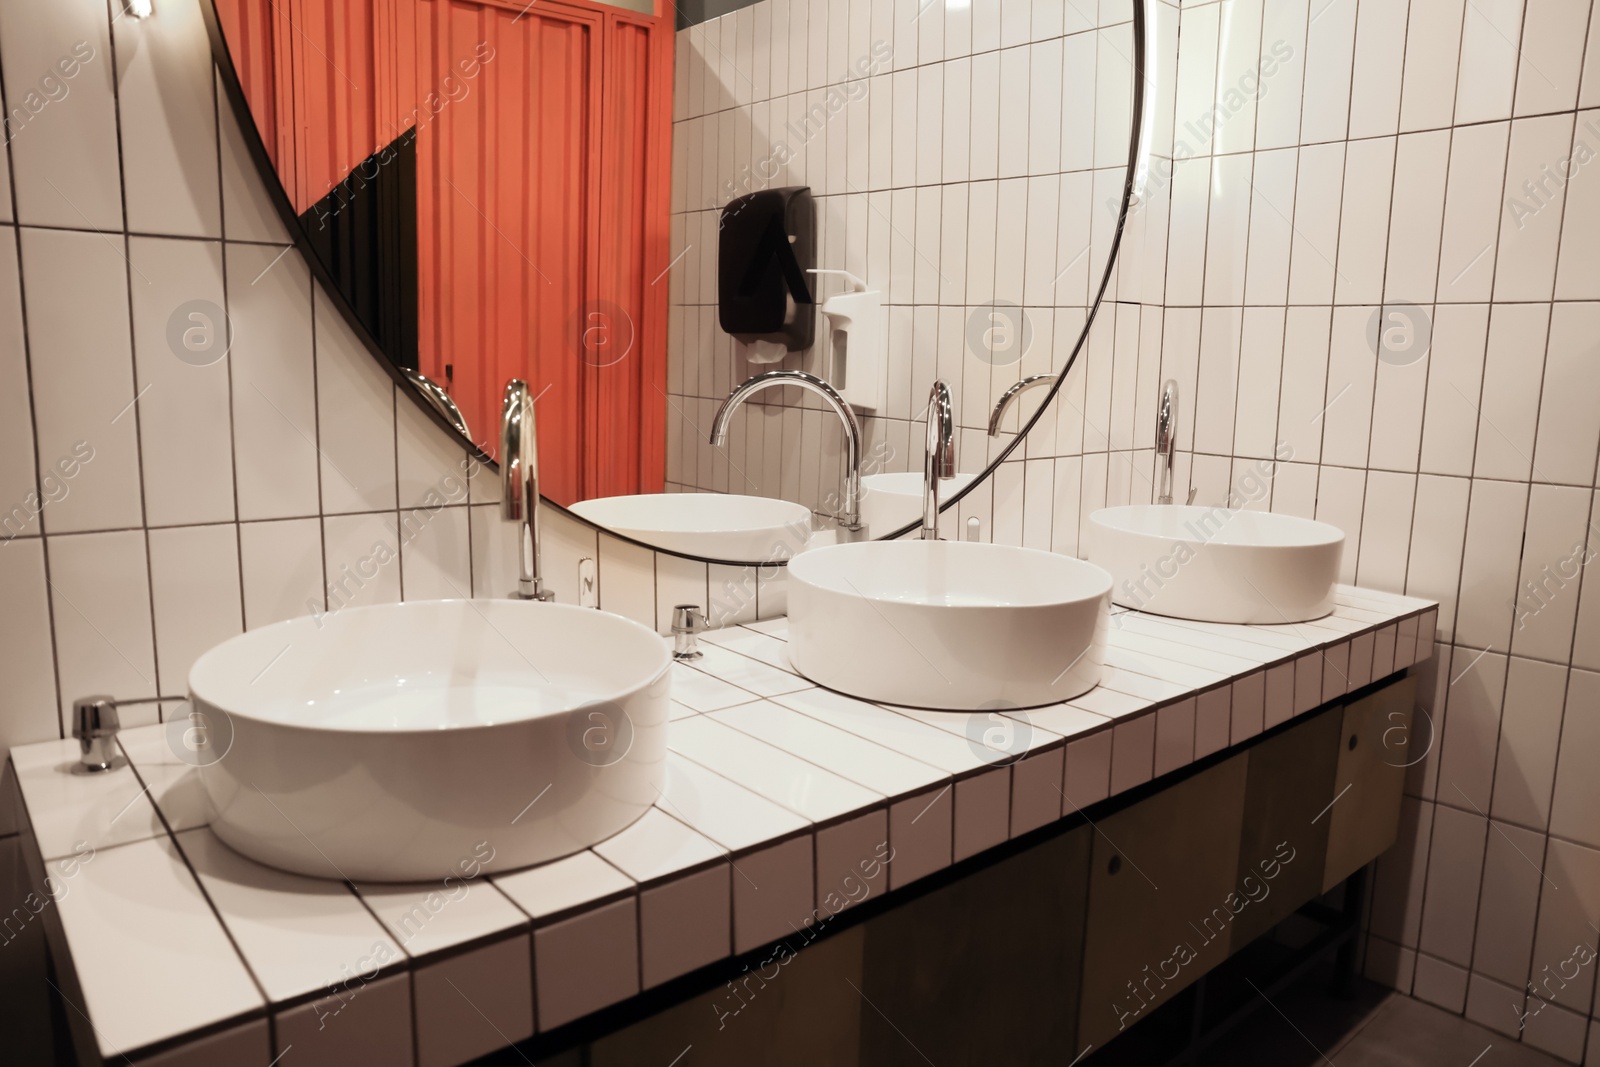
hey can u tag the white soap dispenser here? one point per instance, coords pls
(860, 368)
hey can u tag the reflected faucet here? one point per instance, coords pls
(940, 461)
(519, 485)
(850, 517)
(1011, 394)
(439, 400)
(1166, 440)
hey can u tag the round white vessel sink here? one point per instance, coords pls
(1217, 565)
(889, 501)
(395, 743)
(956, 626)
(716, 525)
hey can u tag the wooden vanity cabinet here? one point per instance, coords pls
(1374, 750)
(984, 970)
(1283, 841)
(1061, 946)
(1160, 877)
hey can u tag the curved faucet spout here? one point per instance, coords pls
(1011, 394)
(850, 510)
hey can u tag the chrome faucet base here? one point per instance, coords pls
(98, 758)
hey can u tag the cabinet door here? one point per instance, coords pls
(1161, 887)
(1365, 816)
(983, 970)
(798, 1008)
(1285, 836)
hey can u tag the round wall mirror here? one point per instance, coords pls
(728, 260)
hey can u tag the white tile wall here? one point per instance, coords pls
(975, 163)
(180, 503)
(1336, 211)
(1463, 475)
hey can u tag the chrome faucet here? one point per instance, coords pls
(519, 485)
(1166, 440)
(850, 517)
(940, 461)
(1011, 394)
(439, 400)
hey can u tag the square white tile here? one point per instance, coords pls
(685, 924)
(853, 860)
(472, 1004)
(773, 892)
(586, 962)
(921, 829)
(983, 812)
(369, 1024)
(1036, 790)
(100, 594)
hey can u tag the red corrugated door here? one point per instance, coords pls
(543, 139)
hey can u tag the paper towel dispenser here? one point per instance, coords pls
(767, 243)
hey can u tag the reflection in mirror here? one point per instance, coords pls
(441, 401)
(729, 260)
(486, 185)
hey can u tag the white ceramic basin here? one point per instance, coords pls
(948, 625)
(889, 501)
(397, 743)
(1217, 565)
(752, 529)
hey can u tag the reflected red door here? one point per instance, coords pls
(542, 138)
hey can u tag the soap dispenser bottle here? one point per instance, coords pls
(860, 352)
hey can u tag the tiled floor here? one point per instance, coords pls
(1378, 1028)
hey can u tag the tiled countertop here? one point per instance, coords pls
(783, 802)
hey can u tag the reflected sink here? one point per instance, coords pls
(890, 501)
(1216, 565)
(715, 525)
(400, 742)
(954, 626)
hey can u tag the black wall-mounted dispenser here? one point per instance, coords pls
(766, 246)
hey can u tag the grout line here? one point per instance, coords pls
(133, 357)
